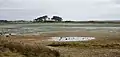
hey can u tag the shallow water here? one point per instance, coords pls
(55, 27)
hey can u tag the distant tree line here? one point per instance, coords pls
(14, 22)
(45, 18)
(116, 22)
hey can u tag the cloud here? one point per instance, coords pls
(117, 1)
(68, 9)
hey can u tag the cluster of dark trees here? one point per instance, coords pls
(3, 21)
(47, 19)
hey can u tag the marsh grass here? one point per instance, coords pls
(106, 43)
(28, 50)
(93, 48)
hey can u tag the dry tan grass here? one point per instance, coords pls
(95, 48)
(28, 49)
(114, 44)
(105, 45)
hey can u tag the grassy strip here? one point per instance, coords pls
(112, 44)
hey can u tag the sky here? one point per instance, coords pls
(67, 9)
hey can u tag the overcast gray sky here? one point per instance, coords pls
(67, 9)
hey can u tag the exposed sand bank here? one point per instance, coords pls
(63, 39)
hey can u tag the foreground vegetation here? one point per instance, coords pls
(94, 48)
(33, 46)
(9, 48)
(109, 47)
